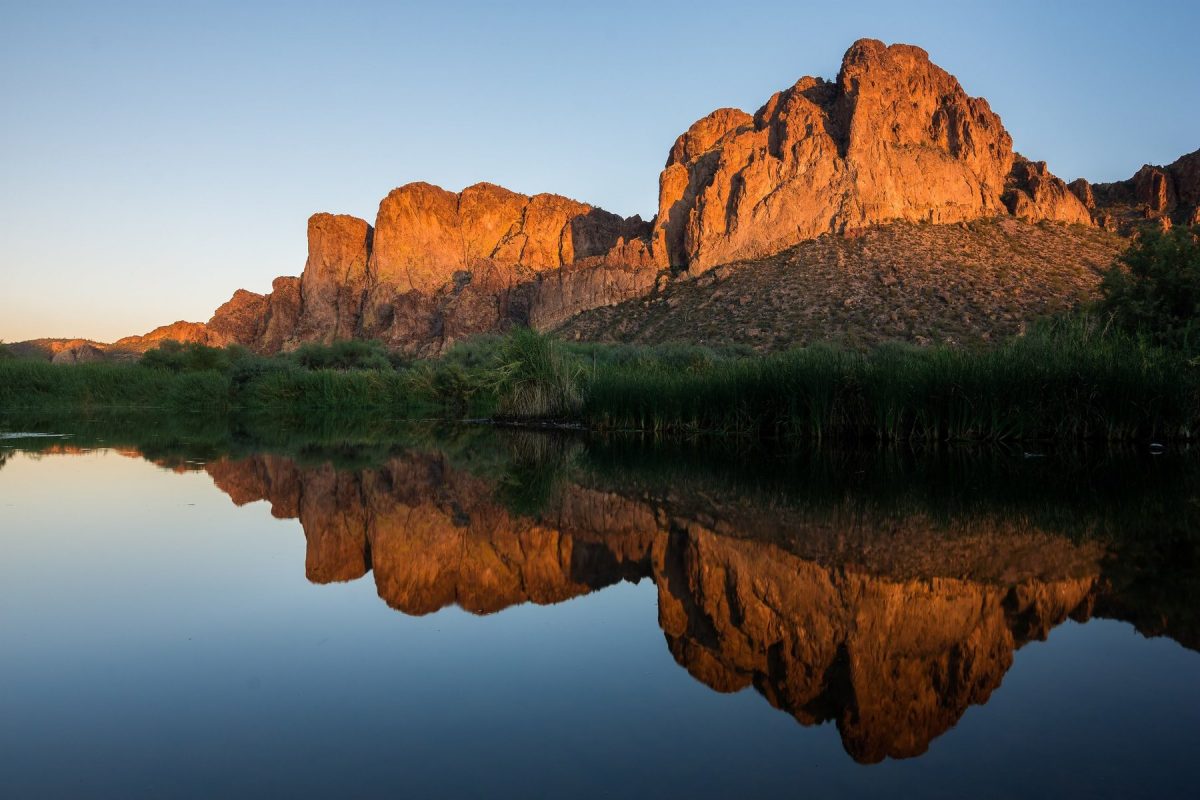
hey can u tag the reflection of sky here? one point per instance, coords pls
(157, 638)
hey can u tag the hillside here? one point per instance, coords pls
(958, 284)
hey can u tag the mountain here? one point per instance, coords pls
(892, 140)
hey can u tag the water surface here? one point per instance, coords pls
(483, 614)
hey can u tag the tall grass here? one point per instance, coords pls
(536, 378)
(33, 384)
(1069, 379)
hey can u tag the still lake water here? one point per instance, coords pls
(492, 615)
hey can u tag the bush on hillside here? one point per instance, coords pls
(344, 355)
(191, 357)
(1154, 289)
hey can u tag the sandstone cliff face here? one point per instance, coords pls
(895, 137)
(334, 282)
(439, 266)
(425, 234)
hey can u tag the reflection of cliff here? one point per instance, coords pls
(436, 537)
(889, 627)
(893, 662)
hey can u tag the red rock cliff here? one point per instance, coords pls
(894, 137)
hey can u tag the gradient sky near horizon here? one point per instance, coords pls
(156, 156)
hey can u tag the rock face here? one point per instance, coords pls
(1035, 194)
(334, 283)
(438, 266)
(177, 332)
(1158, 196)
(894, 137)
(83, 353)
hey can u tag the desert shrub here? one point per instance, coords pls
(1154, 288)
(343, 355)
(173, 356)
(445, 385)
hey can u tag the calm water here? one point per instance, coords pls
(522, 616)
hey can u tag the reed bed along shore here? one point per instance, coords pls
(1068, 382)
(1069, 379)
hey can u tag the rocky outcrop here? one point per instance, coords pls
(1035, 194)
(334, 283)
(439, 266)
(83, 353)
(1156, 196)
(184, 332)
(625, 274)
(263, 322)
(1083, 193)
(894, 137)
(239, 319)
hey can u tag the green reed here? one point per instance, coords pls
(1069, 379)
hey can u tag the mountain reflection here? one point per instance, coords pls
(887, 619)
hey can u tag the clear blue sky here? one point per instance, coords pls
(156, 156)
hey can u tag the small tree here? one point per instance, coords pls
(343, 355)
(189, 357)
(1154, 288)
